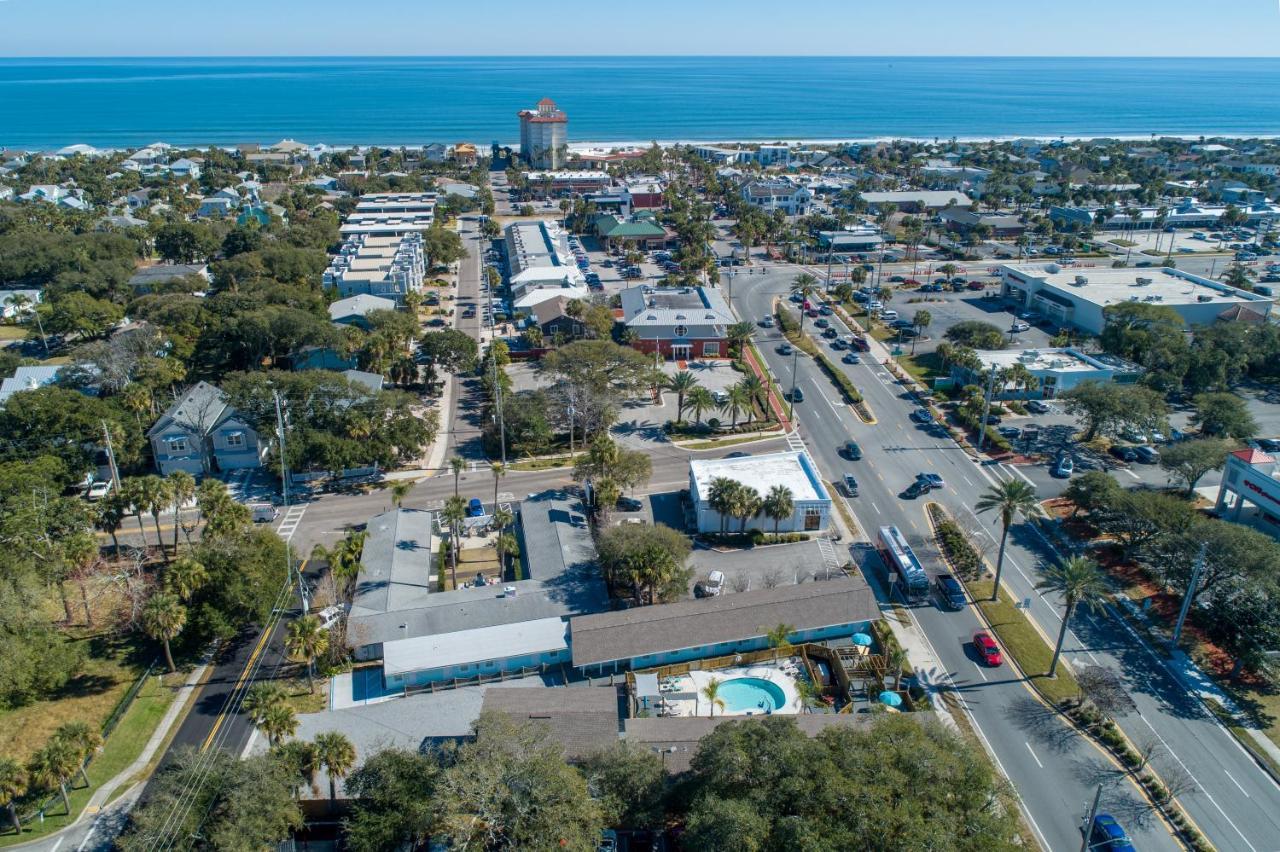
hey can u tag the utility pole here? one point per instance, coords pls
(284, 461)
(791, 397)
(986, 407)
(1190, 595)
(111, 458)
(1088, 821)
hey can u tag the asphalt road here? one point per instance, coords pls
(1233, 801)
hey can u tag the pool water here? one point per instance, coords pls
(751, 695)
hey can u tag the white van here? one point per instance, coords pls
(263, 513)
(888, 315)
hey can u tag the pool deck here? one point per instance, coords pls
(687, 699)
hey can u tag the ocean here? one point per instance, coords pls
(127, 102)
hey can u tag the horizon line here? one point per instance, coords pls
(638, 56)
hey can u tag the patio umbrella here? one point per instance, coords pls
(891, 699)
(862, 640)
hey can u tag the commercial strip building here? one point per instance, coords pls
(540, 265)
(1055, 371)
(862, 238)
(1077, 297)
(544, 135)
(917, 200)
(1189, 213)
(677, 323)
(387, 266)
(793, 470)
(391, 214)
(1250, 491)
(645, 637)
(559, 184)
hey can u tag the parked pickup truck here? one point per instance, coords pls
(950, 592)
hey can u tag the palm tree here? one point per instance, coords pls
(301, 759)
(163, 618)
(804, 285)
(131, 493)
(755, 388)
(21, 304)
(499, 470)
(739, 334)
(501, 519)
(153, 491)
(306, 641)
(53, 766)
(279, 722)
(711, 692)
(83, 739)
(735, 402)
(337, 755)
(720, 496)
(894, 659)
(110, 516)
(259, 700)
(456, 464)
(399, 490)
(505, 546)
(680, 384)
(182, 489)
(13, 786)
(921, 320)
(453, 514)
(1080, 581)
(746, 505)
(700, 400)
(779, 504)
(777, 639)
(184, 577)
(1011, 498)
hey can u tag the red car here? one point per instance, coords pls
(987, 649)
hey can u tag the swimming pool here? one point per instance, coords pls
(750, 695)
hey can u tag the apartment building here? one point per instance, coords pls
(385, 266)
(544, 135)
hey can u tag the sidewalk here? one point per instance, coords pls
(108, 788)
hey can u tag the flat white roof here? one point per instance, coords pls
(761, 473)
(1045, 360)
(1106, 286)
(498, 642)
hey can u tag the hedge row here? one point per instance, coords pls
(955, 544)
(851, 392)
(994, 438)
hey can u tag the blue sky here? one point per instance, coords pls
(649, 27)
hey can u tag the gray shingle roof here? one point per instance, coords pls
(630, 633)
(583, 719)
(396, 562)
(199, 410)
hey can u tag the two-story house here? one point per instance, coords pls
(201, 433)
(688, 322)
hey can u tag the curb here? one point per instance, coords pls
(1130, 774)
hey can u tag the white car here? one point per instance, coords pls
(1019, 325)
(99, 489)
(715, 583)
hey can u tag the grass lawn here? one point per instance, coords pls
(540, 464)
(924, 367)
(1025, 643)
(112, 665)
(12, 332)
(714, 443)
(121, 748)
(1122, 243)
(301, 698)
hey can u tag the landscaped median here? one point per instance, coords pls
(1031, 653)
(805, 344)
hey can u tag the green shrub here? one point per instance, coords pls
(964, 559)
(851, 392)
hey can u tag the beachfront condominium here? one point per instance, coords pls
(544, 135)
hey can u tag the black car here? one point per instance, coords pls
(917, 488)
(797, 395)
(951, 592)
(1125, 454)
(922, 415)
(830, 334)
(628, 504)
(851, 450)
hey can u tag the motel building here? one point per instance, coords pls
(1250, 491)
